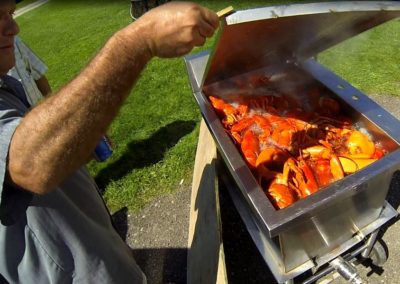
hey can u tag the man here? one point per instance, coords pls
(54, 226)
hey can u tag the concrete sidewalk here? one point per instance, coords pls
(29, 7)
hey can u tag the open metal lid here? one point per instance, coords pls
(256, 38)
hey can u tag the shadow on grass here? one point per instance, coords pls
(144, 153)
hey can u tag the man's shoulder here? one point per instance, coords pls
(8, 80)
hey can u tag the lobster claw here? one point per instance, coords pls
(250, 147)
(281, 194)
(325, 173)
(230, 112)
(304, 178)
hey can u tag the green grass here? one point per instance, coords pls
(155, 133)
(370, 61)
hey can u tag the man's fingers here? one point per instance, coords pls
(205, 29)
(189, 40)
(210, 17)
(198, 39)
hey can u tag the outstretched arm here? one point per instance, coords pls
(56, 137)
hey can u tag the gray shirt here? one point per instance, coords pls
(65, 236)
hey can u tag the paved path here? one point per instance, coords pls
(29, 7)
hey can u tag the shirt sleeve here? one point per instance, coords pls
(13, 200)
(38, 67)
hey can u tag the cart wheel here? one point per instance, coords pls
(378, 253)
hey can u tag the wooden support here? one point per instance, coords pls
(206, 261)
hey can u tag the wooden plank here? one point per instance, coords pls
(225, 12)
(206, 263)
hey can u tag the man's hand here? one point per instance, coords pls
(175, 28)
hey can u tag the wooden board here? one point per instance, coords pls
(225, 12)
(206, 262)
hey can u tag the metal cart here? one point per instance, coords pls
(324, 231)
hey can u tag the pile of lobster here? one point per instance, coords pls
(292, 152)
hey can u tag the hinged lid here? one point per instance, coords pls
(256, 38)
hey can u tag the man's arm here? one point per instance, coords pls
(56, 137)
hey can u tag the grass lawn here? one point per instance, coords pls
(155, 133)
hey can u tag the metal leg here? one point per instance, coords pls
(370, 243)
